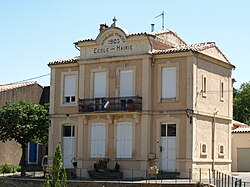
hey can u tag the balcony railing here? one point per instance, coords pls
(111, 104)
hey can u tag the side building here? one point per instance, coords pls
(11, 152)
(142, 99)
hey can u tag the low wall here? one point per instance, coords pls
(18, 182)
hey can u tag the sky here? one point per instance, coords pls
(34, 33)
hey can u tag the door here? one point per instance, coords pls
(168, 147)
(68, 145)
(243, 155)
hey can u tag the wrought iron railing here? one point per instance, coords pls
(110, 104)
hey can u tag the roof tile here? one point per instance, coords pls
(6, 87)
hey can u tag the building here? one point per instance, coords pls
(142, 99)
(240, 147)
(11, 152)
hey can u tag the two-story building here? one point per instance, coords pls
(142, 99)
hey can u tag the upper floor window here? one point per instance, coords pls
(100, 84)
(221, 91)
(126, 83)
(204, 86)
(168, 83)
(69, 93)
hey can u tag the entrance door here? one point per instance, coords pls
(168, 147)
(68, 145)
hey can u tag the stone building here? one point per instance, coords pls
(11, 152)
(142, 99)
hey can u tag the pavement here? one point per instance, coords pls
(245, 176)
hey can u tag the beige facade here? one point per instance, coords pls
(182, 94)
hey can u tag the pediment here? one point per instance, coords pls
(215, 53)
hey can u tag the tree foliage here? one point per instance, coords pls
(24, 122)
(58, 177)
(241, 104)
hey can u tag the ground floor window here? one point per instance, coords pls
(124, 140)
(98, 140)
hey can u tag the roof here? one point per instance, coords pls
(241, 129)
(6, 87)
(67, 61)
(198, 47)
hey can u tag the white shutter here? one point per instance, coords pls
(124, 140)
(69, 85)
(98, 140)
(126, 83)
(169, 82)
(100, 84)
(119, 141)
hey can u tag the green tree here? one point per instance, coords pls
(24, 122)
(58, 177)
(241, 104)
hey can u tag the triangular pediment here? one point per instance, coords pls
(216, 53)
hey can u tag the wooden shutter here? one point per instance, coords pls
(100, 80)
(124, 140)
(98, 140)
(126, 83)
(69, 85)
(169, 82)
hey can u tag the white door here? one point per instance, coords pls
(168, 147)
(68, 146)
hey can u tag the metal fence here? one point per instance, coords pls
(199, 177)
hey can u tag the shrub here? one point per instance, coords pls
(9, 168)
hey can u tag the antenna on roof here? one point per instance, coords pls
(162, 18)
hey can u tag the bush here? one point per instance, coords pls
(9, 168)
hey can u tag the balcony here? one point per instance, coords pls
(111, 104)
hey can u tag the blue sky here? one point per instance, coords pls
(33, 33)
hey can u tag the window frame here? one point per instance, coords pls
(168, 64)
(204, 86)
(222, 93)
(103, 155)
(71, 103)
(130, 156)
(203, 152)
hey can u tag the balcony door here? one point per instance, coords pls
(100, 88)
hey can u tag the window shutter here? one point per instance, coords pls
(126, 83)
(98, 140)
(124, 140)
(169, 82)
(100, 84)
(69, 85)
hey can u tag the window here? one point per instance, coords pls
(204, 86)
(221, 150)
(168, 130)
(98, 140)
(126, 83)
(124, 140)
(221, 91)
(203, 149)
(69, 95)
(100, 85)
(168, 83)
(69, 131)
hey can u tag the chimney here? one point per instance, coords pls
(103, 26)
(152, 27)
